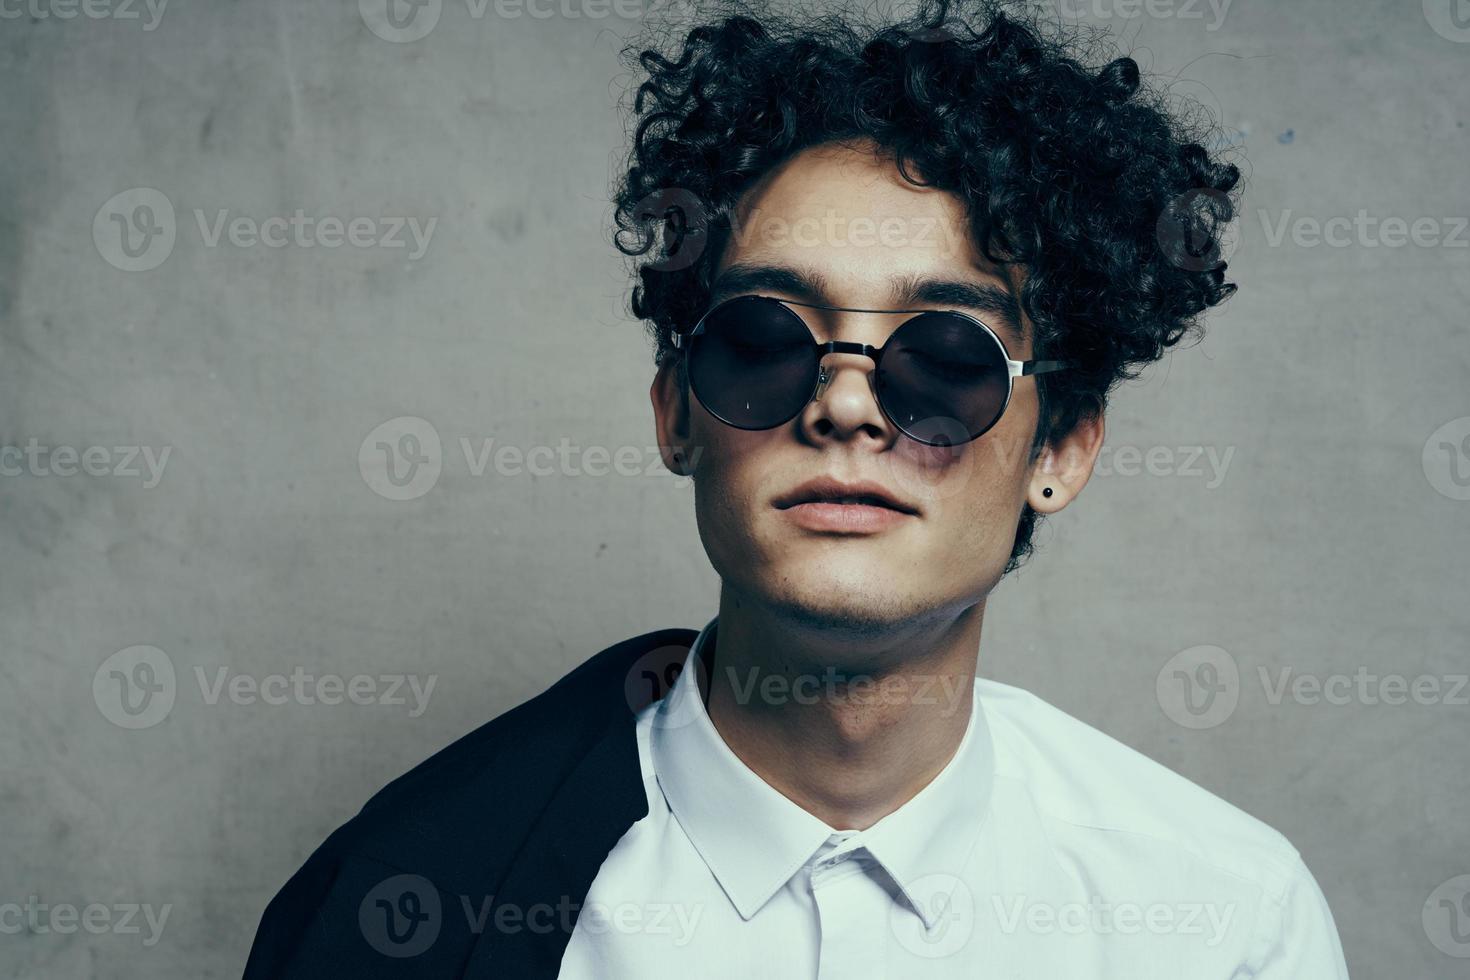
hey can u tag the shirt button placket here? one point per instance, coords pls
(851, 919)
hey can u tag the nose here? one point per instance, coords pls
(845, 400)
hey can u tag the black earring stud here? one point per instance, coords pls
(1046, 492)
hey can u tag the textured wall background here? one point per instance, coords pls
(1327, 538)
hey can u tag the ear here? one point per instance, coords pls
(1065, 465)
(671, 417)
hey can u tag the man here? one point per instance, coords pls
(892, 277)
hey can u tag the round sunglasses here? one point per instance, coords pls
(943, 377)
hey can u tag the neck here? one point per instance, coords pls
(847, 722)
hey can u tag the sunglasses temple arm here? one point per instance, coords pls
(1022, 368)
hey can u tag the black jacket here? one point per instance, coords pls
(475, 862)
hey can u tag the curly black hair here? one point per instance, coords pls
(1103, 193)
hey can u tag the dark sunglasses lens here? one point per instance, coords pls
(943, 379)
(754, 365)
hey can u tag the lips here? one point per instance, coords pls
(828, 490)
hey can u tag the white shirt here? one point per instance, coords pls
(1043, 849)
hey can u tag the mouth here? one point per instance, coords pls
(826, 504)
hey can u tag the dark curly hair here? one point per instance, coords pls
(1103, 193)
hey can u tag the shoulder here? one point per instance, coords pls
(1088, 784)
(506, 765)
(453, 824)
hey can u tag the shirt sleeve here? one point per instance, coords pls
(1302, 944)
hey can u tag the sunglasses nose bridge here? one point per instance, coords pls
(826, 371)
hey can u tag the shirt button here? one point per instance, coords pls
(828, 863)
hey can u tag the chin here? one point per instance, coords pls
(835, 594)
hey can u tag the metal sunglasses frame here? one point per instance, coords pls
(1014, 369)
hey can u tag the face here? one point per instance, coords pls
(839, 226)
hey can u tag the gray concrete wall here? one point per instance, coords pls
(1329, 537)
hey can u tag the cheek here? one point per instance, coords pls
(974, 495)
(977, 522)
(989, 472)
(730, 478)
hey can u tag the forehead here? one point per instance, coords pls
(839, 225)
(849, 202)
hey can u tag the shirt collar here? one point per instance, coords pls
(754, 839)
